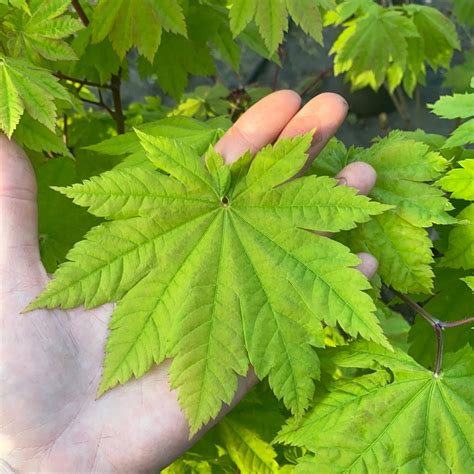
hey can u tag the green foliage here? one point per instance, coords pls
(137, 23)
(411, 36)
(271, 17)
(400, 407)
(40, 31)
(217, 266)
(31, 88)
(397, 238)
(241, 316)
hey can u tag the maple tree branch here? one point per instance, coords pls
(80, 12)
(437, 325)
(84, 82)
(459, 322)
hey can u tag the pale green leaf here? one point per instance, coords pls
(358, 52)
(460, 181)
(41, 31)
(462, 136)
(199, 278)
(402, 250)
(11, 105)
(187, 130)
(249, 452)
(31, 88)
(455, 106)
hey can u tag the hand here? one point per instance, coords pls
(50, 360)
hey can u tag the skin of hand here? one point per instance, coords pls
(50, 360)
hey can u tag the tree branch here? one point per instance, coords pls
(119, 117)
(84, 82)
(80, 12)
(437, 325)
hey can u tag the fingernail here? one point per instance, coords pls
(342, 181)
(344, 101)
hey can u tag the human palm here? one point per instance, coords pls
(50, 360)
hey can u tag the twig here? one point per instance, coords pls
(321, 75)
(398, 102)
(437, 325)
(119, 117)
(83, 82)
(80, 12)
(65, 130)
(459, 322)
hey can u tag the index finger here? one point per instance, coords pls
(260, 125)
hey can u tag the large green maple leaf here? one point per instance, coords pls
(214, 266)
(400, 418)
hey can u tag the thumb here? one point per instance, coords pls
(20, 263)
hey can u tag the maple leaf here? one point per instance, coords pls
(249, 452)
(357, 49)
(214, 266)
(380, 422)
(460, 181)
(460, 253)
(139, 23)
(404, 166)
(24, 86)
(39, 32)
(454, 106)
(271, 18)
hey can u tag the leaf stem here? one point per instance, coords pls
(437, 325)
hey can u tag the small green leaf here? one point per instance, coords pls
(455, 106)
(249, 452)
(460, 181)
